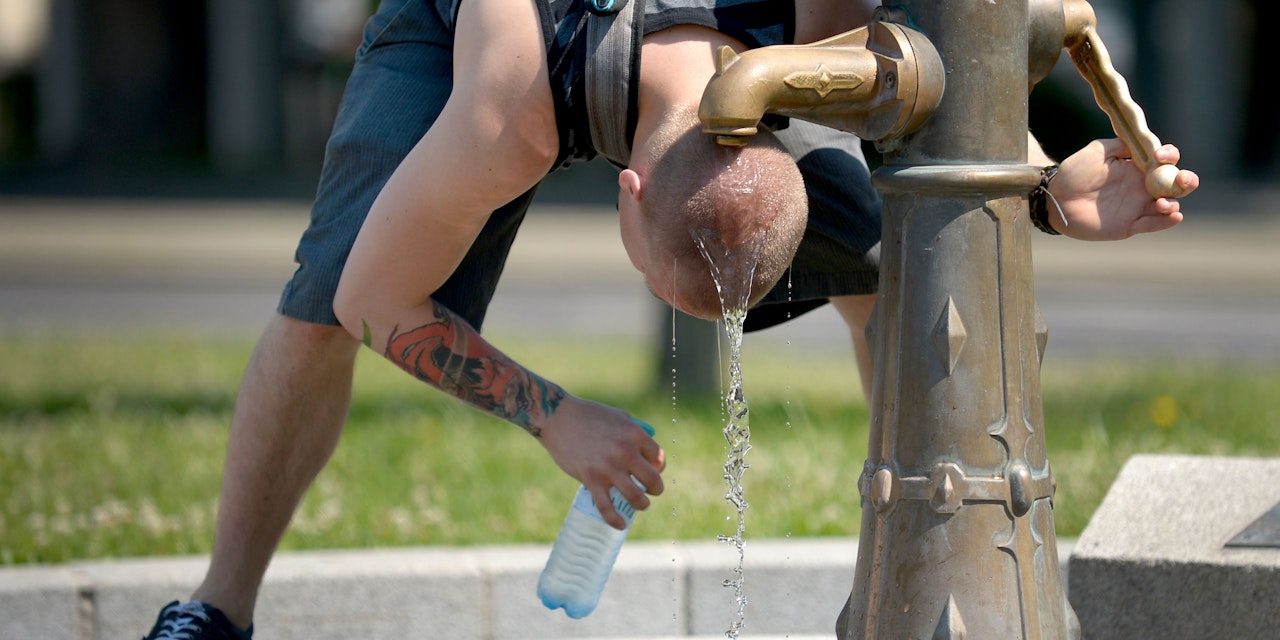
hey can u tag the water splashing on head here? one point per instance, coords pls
(730, 206)
(732, 269)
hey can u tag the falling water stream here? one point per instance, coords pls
(737, 433)
(732, 272)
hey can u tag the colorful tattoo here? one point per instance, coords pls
(450, 355)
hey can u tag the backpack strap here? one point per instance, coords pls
(615, 30)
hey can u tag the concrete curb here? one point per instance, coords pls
(1153, 561)
(795, 588)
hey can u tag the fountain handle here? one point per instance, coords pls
(1112, 94)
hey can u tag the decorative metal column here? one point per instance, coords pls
(957, 537)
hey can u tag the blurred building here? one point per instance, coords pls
(237, 96)
(131, 95)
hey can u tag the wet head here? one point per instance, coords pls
(720, 224)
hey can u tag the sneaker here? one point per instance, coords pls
(195, 621)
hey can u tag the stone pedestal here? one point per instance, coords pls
(1153, 562)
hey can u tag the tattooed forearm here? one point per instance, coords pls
(449, 354)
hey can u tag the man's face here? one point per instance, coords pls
(658, 279)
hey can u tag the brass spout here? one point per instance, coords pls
(879, 82)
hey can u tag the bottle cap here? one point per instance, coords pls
(644, 425)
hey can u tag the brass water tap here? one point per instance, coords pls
(879, 82)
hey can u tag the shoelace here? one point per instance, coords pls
(190, 615)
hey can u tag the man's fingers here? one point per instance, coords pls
(603, 504)
(652, 451)
(1154, 223)
(651, 480)
(649, 471)
(1187, 181)
(1167, 154)
(634, 494)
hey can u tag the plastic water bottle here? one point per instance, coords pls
(584, 553)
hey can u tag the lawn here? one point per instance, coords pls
(113, 447)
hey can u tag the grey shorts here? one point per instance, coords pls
(840, 252)
(402, 77)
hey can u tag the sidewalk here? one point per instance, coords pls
(658, 591)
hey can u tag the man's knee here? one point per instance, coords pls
(308, 338)
(856, 310)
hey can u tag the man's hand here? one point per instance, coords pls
(603, 448)
(1103, 194)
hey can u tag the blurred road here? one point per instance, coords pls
(1210, 287)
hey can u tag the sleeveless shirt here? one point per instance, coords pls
(755, 23)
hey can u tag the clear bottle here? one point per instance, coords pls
(584, 553)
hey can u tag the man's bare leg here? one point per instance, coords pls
(291, 408)
(856, 311)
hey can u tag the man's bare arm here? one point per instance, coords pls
(447, 353)
(495, 138)
(598, 445)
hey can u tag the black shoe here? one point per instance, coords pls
(195, 621)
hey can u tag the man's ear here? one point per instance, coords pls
(629, 219)
(629, 183)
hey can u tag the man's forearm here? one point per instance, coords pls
(449, 354)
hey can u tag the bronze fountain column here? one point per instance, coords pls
(957, 536)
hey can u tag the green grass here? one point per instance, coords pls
(113, 448)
